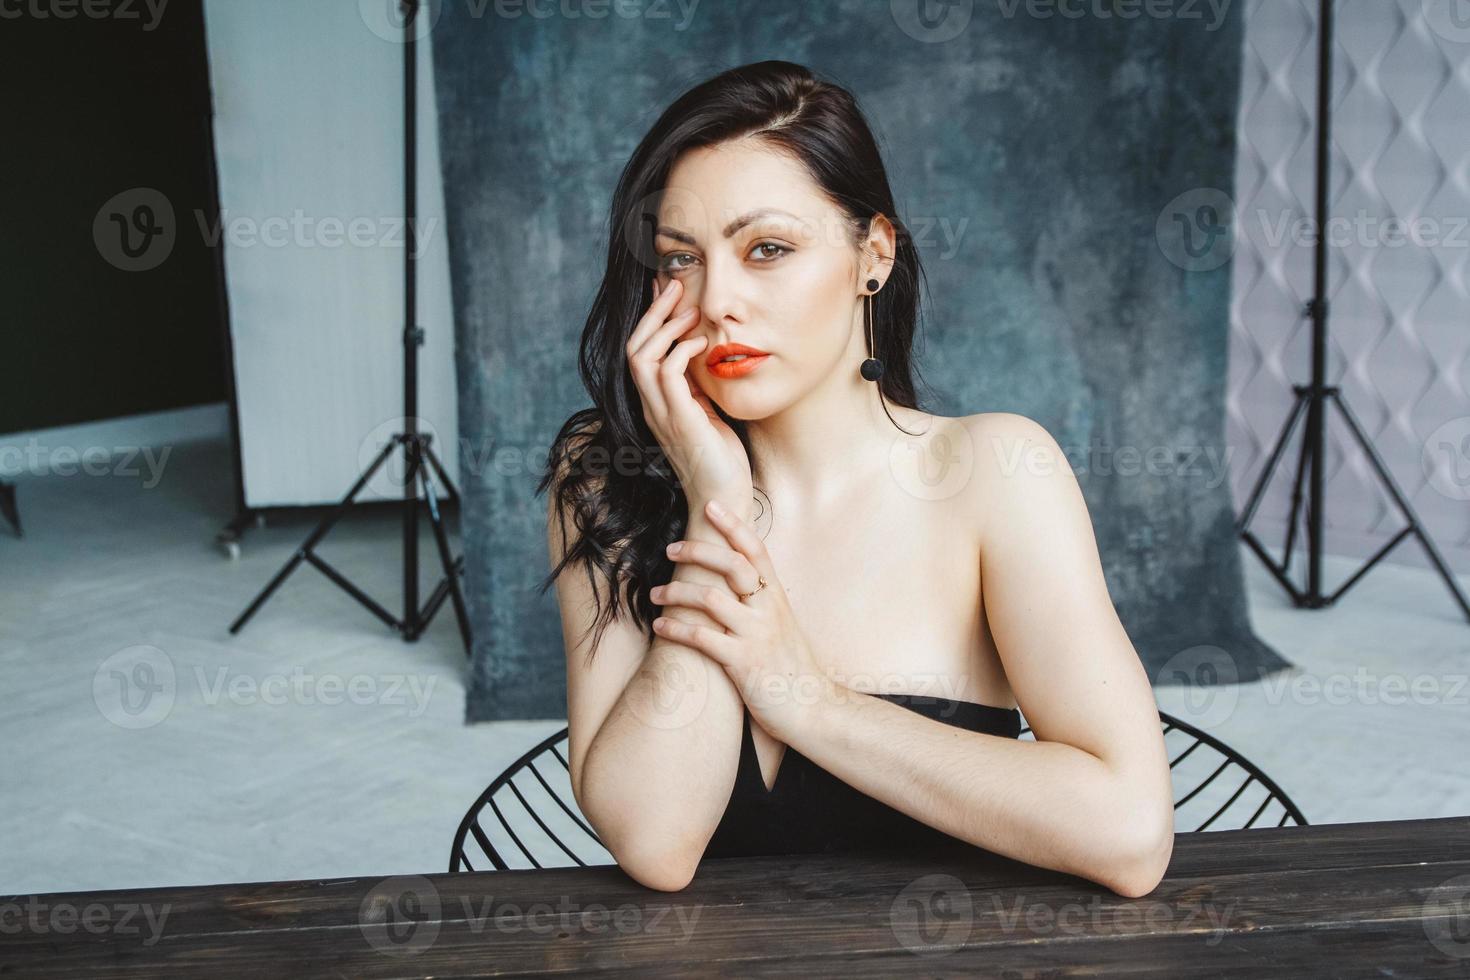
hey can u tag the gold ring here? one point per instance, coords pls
(746, 595)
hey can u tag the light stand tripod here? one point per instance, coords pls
(420, 461)
(1313, 398)
(8, 507)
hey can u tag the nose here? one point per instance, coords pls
(721, 295)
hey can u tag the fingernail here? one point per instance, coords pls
(715, 509)
(674, 548)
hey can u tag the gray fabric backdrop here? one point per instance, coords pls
(1037, 160)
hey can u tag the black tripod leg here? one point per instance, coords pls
(8, 506)
(1403, 503)
(450, 568)
(1243, 526)
(443, 476)
(1286, 429)
(316, 535)
(1304, 460)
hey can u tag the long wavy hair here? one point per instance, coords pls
(605, 465)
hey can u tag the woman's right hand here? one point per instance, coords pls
(706, 454)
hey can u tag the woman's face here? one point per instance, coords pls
(770, 264)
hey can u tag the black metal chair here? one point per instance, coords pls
(544, 827)
(1187, 769)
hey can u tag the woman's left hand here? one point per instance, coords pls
(763, 649)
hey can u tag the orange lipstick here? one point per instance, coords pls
(716, 363)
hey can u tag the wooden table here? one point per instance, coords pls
(1365, 899)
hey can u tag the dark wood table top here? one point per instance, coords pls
(1388, 899)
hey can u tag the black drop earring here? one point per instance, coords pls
(872, 368)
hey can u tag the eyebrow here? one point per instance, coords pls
(729, 229)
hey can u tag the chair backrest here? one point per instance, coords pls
(1197, 761)
(528, 817)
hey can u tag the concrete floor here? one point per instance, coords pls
(317, 744)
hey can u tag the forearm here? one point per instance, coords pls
(1045, 803)
(658, 774)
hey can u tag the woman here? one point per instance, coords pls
(854, 592)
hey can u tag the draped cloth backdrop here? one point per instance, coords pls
(1061, 176)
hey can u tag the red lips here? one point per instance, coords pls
(716, 364)
(723, 351)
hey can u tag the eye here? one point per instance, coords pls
(780, 250)
(667, 262)
(671, 263)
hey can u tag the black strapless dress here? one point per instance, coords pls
(809, 810)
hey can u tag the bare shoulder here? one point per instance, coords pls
(1018, 464)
